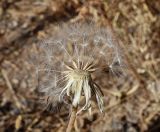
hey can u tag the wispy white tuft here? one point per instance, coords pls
(69, 58)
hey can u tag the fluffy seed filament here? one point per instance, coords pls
(80, 83)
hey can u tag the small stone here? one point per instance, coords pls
(23, 85)
(15, 81)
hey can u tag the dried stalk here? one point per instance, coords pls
(13, 93)
(72, 119)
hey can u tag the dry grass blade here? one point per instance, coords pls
(13, 93)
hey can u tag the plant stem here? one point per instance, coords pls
(72, 119)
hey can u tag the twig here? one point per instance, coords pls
(17, 102)
(72, 120)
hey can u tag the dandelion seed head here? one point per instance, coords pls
(68, 59)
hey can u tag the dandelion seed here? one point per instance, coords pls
(70, 58)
